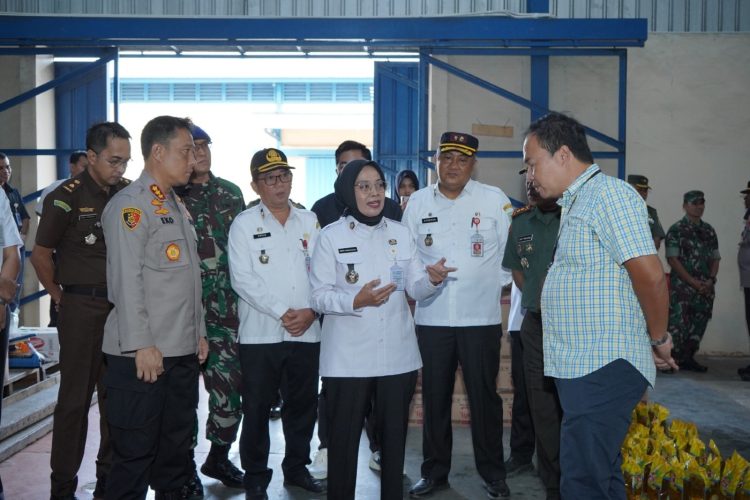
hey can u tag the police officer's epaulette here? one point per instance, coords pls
(71, 185)
(297, 205)
(125, 181)
(521, 210)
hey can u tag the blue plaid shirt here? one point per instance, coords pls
(590, 313)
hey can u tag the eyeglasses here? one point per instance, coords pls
(203, 147)
(366, 187)
(114, 164)
(271, 180)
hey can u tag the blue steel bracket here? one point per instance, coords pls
(515, 98)
(55, 82)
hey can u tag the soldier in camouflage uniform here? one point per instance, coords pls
(214, 203)
(640, 183)
(692, 251)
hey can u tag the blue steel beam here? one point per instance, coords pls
(535, 51)
(492, 31)
(603, 155)
(37, 152)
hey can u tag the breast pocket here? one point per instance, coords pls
(169, 249)
(350, 271)
(486, 235)
(264, 253)
(431, 235)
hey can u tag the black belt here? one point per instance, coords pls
(537, 315)
(91, 291)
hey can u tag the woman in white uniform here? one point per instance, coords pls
(361, 269)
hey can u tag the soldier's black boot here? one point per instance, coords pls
(219, 467)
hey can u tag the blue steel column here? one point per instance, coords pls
(539, 67)
(424, 76)
(116, 85)
(622, 113)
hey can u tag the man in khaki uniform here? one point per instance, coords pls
(77, 284)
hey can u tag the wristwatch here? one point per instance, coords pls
(661, 341)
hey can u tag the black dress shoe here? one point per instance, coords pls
(426, 486)
(101, 488)
(223, 470)
(306, 482)
(497, 489)
(515, 466)
(256, 493)
(193, 489)
(692, 365)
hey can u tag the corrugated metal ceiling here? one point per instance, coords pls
(663, 15)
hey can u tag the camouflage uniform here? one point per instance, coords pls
(214, 206)
(696, 246)
(653, 223)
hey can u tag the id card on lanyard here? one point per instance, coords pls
(476, 240)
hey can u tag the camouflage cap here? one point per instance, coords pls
(639, 181)
(692, 196)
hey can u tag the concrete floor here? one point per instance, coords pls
(717, 401)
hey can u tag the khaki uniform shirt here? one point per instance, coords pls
(71, 224)
(153, 272)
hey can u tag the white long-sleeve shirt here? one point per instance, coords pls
(444, 228)
(269, 271)
(372, 341)
(9, 235)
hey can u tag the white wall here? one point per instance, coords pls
(688, 128)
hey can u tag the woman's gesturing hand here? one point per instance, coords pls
(373, 297)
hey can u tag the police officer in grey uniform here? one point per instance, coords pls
(154, 338)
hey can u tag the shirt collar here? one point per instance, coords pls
(569, 194)
(545, 217)
(265, 210)
(91, 185)
(466, 191)
(355, 225)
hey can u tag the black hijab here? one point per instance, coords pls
(344, 189)
(404, 174)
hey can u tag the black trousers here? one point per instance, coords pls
(522, 438)
(477, 348)
(543, 402)
(151, 426)
(4, 332)
(349, 400)
(80, 331)
(370, 422)
(266, 368)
